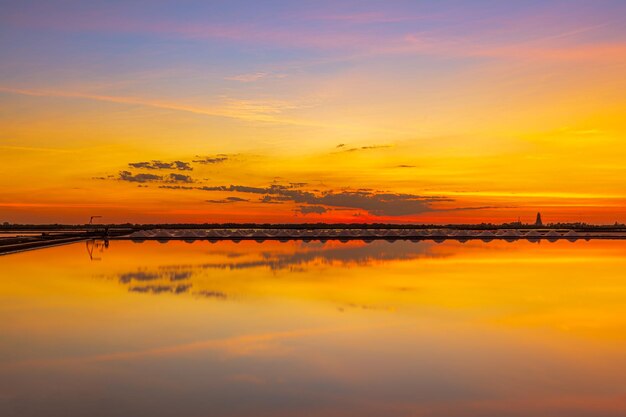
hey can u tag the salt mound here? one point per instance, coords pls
(511, 233)
(160, 233)
(140, 234)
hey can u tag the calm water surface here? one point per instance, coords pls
(311, 329)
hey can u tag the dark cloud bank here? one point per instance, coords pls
(375, 203)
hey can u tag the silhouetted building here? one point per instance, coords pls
(538, 222)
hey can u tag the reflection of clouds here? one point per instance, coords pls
(176, 276)
(268, 343)
(167, 274)
(158, 289)
(363, 307)
(212, 294)
(152, 276)
(165, 279)
(318, 252)
(373, 252)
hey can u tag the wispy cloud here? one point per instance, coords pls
(311, 210)
(209, 160)
(143, 178)
(371, 31)
(179, 165)
(34, 149)
(228, 200)
(363, 148)
(269, 111)
(130, 177)
(255, 76)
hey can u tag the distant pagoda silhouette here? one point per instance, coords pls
(538, 222)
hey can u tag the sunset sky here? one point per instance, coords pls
(309, 111)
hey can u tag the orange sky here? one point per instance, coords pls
(376, 112)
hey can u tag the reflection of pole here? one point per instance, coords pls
(92, 245)
(89, 249)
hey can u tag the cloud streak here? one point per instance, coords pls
(130, 177)
(143, 178)
(268, 111)
(179, 165)
(311, 210)
(228, 200)
(209, 160)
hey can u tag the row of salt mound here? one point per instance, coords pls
(224, 233)
(141, 234)
(552, 233)
(511, 233)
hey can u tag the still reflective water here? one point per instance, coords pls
(311, 329)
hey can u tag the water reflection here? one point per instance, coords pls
(301, 329)
(296, 257)
(95, 248)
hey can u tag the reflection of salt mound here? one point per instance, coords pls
(510, 235)
(486, 236)
(572, 236)
(553, 236)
